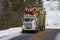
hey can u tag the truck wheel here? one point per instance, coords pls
(38, 29)
(23, 31)
(42, 28)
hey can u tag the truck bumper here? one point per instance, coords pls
(29, 29)
(33, 28)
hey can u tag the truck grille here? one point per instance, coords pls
(28, 25)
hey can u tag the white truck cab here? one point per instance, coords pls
(29, 23)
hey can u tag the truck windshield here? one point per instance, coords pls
(28, 19)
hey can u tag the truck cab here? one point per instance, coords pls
(29, 23)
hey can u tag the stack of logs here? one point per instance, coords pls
(31, 11)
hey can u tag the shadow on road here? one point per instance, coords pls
(30, 32)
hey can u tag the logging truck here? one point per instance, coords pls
(34, 19)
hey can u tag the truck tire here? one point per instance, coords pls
(37, 29)
(23, 31)
(42, 28)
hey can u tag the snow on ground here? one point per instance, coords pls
(53, 14)
(53, 19)
(10, 33)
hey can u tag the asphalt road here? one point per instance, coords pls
(43, 35)
(24, 36)
(51, 35)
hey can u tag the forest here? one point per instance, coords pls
(12, 11)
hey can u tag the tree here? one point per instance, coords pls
(33, 3)
(15, 5)
(6, 5)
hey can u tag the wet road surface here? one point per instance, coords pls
(24, 36)
(43, 35)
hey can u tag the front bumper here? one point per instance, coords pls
(29, 29)
(33, 28)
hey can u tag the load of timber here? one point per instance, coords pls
(31, 12)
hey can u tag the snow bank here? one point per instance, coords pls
(10, 31)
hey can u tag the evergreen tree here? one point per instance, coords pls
(34, 3)
(15, 5)
(6, 5)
